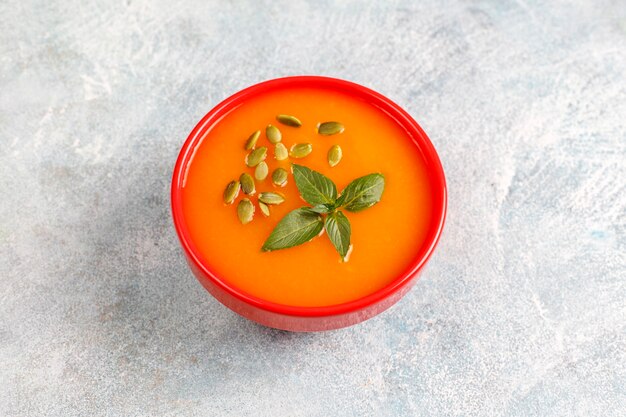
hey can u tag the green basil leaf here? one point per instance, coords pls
(314, 187)
(297, 227)
(340, 200)
(338, 230)
(363, 192)
(323, 208)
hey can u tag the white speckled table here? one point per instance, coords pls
(522, 310)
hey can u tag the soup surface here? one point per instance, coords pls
(385, 237)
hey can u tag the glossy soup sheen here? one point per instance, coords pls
(386, 237)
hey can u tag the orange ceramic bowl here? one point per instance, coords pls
(296, 318)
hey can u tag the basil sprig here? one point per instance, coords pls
(303, 224)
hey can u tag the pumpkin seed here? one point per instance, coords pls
(231, 192)
(251, 142)
(261, 171)
(256, 156)
(273, 134)
(334, 155)
(247, 184)
(280, 152)
(245, 211)
(265, 209)
(269, 197)
(279, 177)
(289, 120)
(301, 150)
(330, 128)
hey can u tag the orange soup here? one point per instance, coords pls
(385, 237)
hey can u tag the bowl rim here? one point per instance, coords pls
(414, 131)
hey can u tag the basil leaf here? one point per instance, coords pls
(338, 230)
(297, 227)
(323, 208)
(340, 200)
(363, 192)
(314, 187)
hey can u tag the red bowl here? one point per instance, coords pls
(306, 319)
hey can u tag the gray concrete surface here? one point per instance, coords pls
(521, 311)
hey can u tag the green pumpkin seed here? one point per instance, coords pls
(334, 155)
(271, 198)
(301, 150)
(273, 134)
(247, 184)
(289, 120)
(251, 142)
(256, 156)
(245, 211)
(261, 171)
(279, 177)
(231, 192)
(280, 152)
(330, 128)
(265, 209)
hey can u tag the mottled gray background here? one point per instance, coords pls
(521, 311)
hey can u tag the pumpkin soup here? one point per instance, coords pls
(244, 197)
